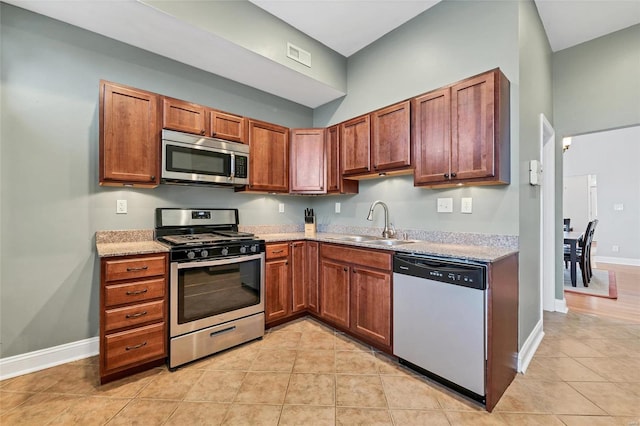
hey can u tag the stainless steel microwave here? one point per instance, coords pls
(196, 160)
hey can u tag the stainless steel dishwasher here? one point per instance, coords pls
(439, 317)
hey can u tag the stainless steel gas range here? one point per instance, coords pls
(216, 282)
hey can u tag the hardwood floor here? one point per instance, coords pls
(626, 307)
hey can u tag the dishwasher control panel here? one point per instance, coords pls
(467, 274)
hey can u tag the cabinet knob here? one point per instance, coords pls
(202, 132)
(453, 175)
(446, 175)
(345, 269)
(153, 177)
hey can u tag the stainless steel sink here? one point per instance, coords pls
(389, 242)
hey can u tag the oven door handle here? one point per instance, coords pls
(217, 262)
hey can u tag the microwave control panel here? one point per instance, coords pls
(241, 166)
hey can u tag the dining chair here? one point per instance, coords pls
(583, 252)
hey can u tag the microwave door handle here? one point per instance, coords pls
(233, 166)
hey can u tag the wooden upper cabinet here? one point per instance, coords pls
(183, 116)
(461, 133)
(335, 183)
(391, 137)
(227, 126)
(432, 136)
(308, 165)
(472, 141)
(129, 136)
(355, 136)
(269, 157)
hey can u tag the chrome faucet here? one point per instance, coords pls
(387, 232)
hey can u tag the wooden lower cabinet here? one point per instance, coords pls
(371, 304)
(355, 292)
(312, 250)
(133, 314)
(277, 282)
(334, 292)
(299, 288)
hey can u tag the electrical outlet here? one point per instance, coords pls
(445, 205)
(121, 207)
(466, 205)
(281, 208)
(618, 207)
(615, 249)
(337, 207)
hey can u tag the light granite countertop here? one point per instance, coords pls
(460, 251)
(123, 243)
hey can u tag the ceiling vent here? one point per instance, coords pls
(298, 54)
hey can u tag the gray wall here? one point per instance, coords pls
(613, 157)
(595, 87)
(449, 42)
(246, 25)
(535, 98)
(51, 202)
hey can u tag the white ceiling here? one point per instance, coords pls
(345, 26)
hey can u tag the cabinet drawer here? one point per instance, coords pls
(134, 346)
(135, 267)
(275, 251)
(129, 316)
(134, 292)
(370, 258)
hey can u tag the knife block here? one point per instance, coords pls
(310, 228)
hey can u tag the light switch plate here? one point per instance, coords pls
(466, 205)
(281, 207)
(445, 205)
(338, 207)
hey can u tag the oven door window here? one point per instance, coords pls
(205, 291)
(198, 161)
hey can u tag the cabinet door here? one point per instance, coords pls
(129, 136)
(371, 304)
(355, 139)
(227, 126)
(472, 130)
(298, 277)
(183, 116)
(308, 172)
(431, 136)
(335, 183)
(334, 292)
(390, 137)
(276, 289)
(311, 262)
(269, 157)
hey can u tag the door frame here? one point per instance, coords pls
(547, 218)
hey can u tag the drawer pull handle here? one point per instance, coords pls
(226, 330)
(278, 251)
(136, 315)
(130, 348)
(137, 292)
(142, 268)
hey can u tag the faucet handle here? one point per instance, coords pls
(392, 230)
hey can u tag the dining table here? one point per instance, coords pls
(571, 239)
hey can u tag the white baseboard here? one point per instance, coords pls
(530, 346)
(561, 305)
(39, 360)
(617, 260)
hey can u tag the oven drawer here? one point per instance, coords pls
(135, 346)
(276, 251)
(134, 292)
(136, 267)
(134, 315)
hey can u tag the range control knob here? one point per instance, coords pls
(254, 248)
(224, 251)
(243, 249)
(191, 254)
(204, 253)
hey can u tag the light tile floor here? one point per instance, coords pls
(586, 372)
